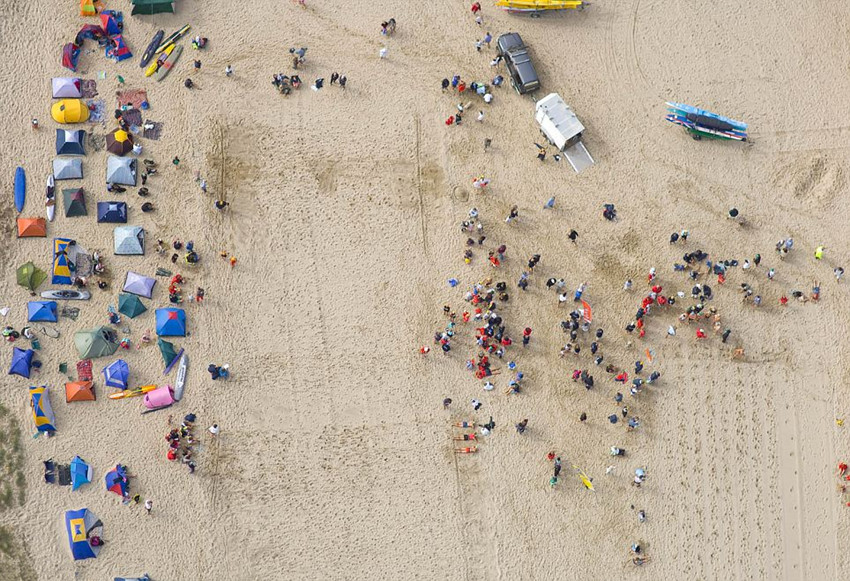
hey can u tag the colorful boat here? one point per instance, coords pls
(534, 6)
(701, 123)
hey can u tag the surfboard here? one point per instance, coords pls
(151, 49)
(165, 67)
(20, 188)
(172, 38)
(181, 377)
(50, 198)
(154, 66)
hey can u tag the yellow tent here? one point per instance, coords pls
(70, 111)
(87, 8)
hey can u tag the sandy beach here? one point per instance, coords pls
(335, 459)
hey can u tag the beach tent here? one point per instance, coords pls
(130, 305)
(144, 577)
(79, 391)
(70, 142)
(82, 525)
(121, 170)
(42, 413)
(81, 473)
(119, 142)
(62, 264)
(152, 6)
(117, 480)
(87, 8)
(75, 202)
(42, 311)
(70, 111)
(93, 343)
(32, 227)
(109, 24)
(171, 322)
(116, 374)
(21, 362)
(167, 351)
(67, 169)
(30, 276)
(67, 87)
(90, 32)
(117, 49)
(129, 240)
(70, 56)
(113, 212)
(138, 284)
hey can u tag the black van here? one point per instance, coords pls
(523, 76)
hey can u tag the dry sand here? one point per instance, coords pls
(335, 459)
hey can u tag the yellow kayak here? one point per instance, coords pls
(132, 392)
(540, 5)
(163, 56)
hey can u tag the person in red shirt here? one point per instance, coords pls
(476, 8)
(701, 334)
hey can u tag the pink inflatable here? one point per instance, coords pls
(160, 397)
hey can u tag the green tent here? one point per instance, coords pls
(167, 350)
(92, 343)
(130, 305)
(30, 276)
(152, 6)
(75, 202)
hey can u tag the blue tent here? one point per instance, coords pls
(117, 481)
(21, 362)
(116, 374)
(171, 322)
(82, 525)
(42, 311)
(114, 212)
(81, 473)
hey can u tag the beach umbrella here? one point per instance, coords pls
(117, 480)
(119, 142)
(116, 374)
(30, 276)
(169, 354)
(81, 473)
(130, 305)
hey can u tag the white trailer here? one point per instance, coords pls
(562, 129)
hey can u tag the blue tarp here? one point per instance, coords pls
(171, 322)
(43, 311)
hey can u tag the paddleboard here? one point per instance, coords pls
(151, 49)
(20, 188)
(157, 409)
(132, 392)
(66, 295)
(172, 38)
(165, 67)
(50, 198)
(154, 66)
(181, 377)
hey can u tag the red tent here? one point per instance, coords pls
(118, 49)
(70, 55)
(109, 24)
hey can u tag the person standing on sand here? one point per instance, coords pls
(521, 427)
(148, 505)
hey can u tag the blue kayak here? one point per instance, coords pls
(20, 189)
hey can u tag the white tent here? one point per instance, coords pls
(121, 170)
(67, 169)
(129, 240)
(66, 87)
(139, 284)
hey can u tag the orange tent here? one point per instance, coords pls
(87, 8)
(79, 391)
(32, 228)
